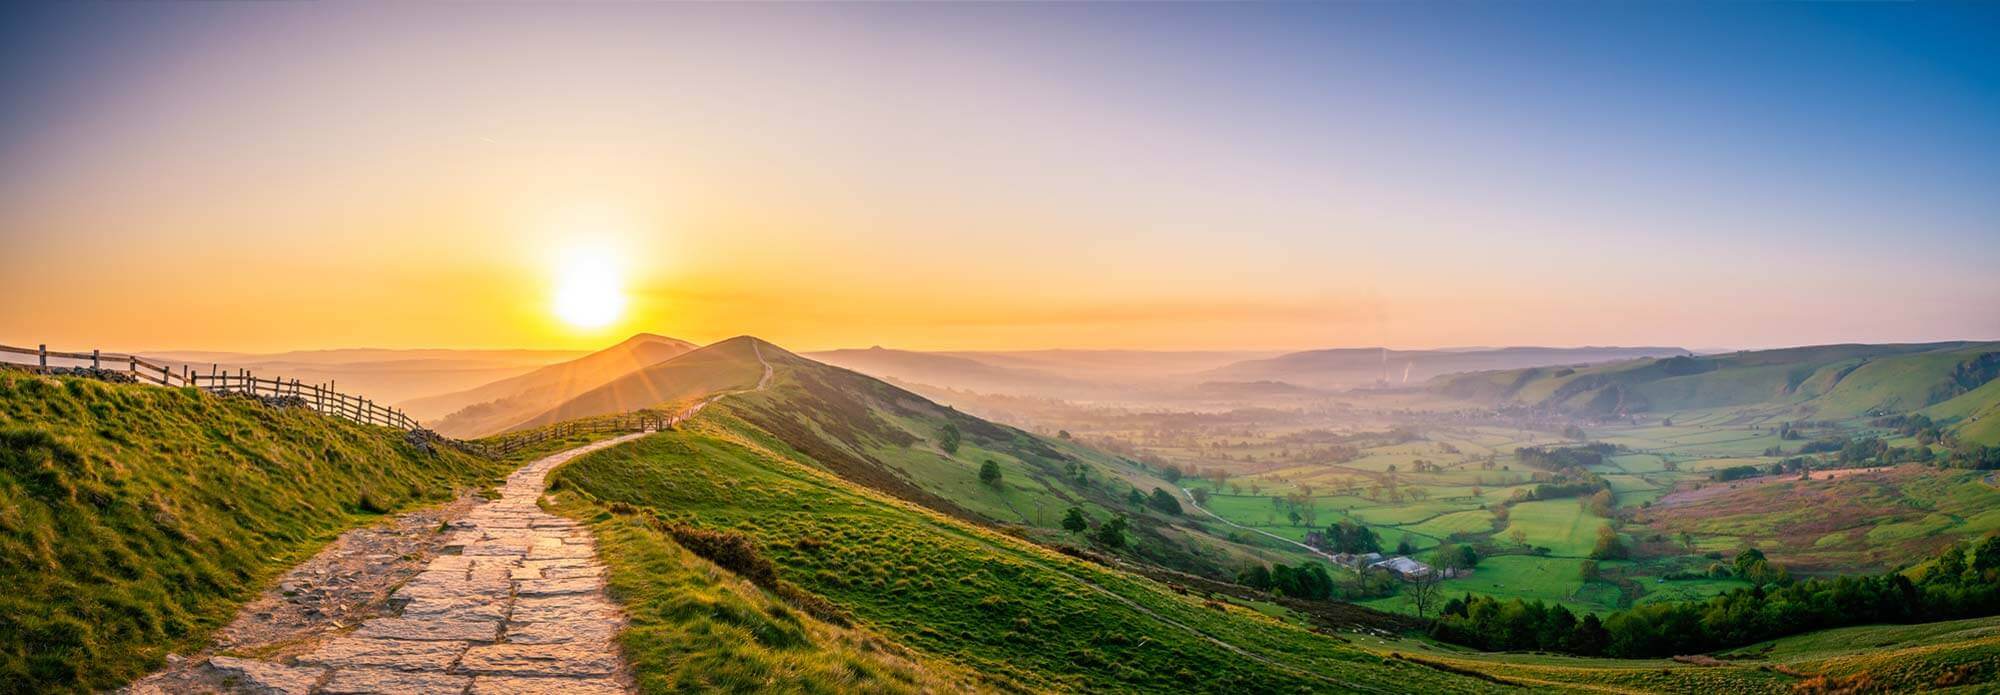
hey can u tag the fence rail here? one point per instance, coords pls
(494, 447)
(321, 398)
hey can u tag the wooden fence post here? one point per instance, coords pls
(93, 359)
(45, 357)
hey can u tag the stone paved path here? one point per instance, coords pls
(520, 608)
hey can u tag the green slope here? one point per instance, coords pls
(1927, 657)
(135, 519)
(1017, 614)
(729, 365)
(889, 439)
(1831, 382)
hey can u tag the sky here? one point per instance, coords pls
(275, 176)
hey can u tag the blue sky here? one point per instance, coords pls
(1033, 175)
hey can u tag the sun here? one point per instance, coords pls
(588, 288)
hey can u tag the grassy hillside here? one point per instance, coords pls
(1834, 382)
(494, 407)
(955, 605)
(1017, 614)
(729, 365)
(955, 372)
(134, 519)
(1347, 367)
(694, 626)
(1952, 656)
(892, 440)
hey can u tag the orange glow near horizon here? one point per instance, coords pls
(272, 177)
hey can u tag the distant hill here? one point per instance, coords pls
(1952, 381)
(387, 376)
(953, 371)
(867, 499)
(494, 407)
(900, 443)
(729, 365)
(1350, 367)
(1115, 366)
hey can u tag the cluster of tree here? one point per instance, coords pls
(1822, 446)
(1789, 433)
(1973, 456)
(949, 438)
(1164, 502)
(1872, 450)
(1461, 556)
(1110, 534)
(989, 473)
(1349, 537)
(1567, 486)
(1723, 475)
(1600, 503)
(1912, 425)
(1609, 546)
(1299, 506)
(1958, 584)
(1308, 580)
(1564, 458)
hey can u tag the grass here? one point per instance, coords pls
(1019, 615)
(694, 626)
(1561, 525)
(135, 519)
(888, 439)
(1527, 577)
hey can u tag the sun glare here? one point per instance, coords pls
(588, 294)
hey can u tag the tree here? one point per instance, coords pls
(1455, 556)
(1257, 577)
(1949, 569)
(1600, 503)
(1111, 534)
(1609, 545)
(1518, 536)
(1164, 502)
(1200, 496)
(1747, 560)
(1135, 497)
(1986, 560)
(1074, 521)
(1061, 434)
(989, 473)
(948, 438)
(1588, 571)
(1403, 546)
(1687, 542)
(1423, 590)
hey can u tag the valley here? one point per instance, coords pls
(841, 529)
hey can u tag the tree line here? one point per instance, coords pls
(1958, 583)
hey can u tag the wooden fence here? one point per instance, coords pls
(321, 398)
(502, 445)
